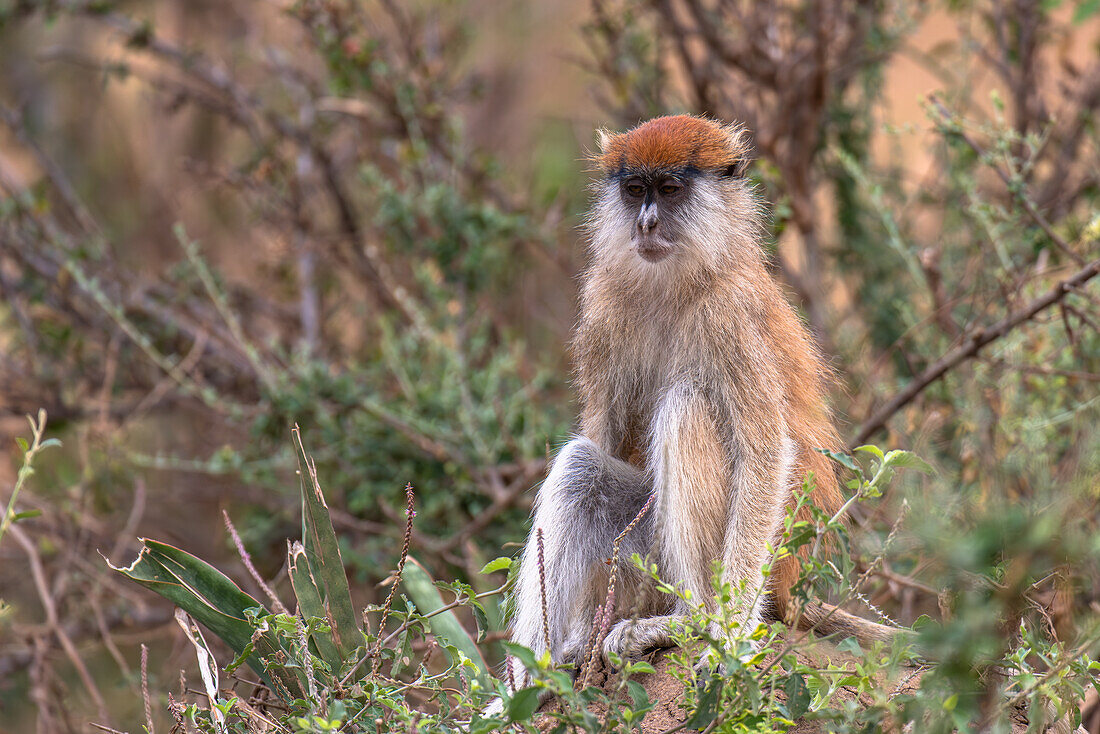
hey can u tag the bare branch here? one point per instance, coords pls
(972, 342)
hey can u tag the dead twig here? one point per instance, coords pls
(246, 559)
(603, 615)
(145, 690)
(38, 574)
(410, 513)
(542, 591)
(486, 517)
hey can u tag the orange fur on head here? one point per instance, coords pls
(669, 143)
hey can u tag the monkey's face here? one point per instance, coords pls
(672, 202)
(655, 202)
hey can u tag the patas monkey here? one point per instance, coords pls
(699, 386)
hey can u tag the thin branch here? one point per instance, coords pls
(276, 603)
(56, 176)
(486, 517)
(972, 342)
(38, 574)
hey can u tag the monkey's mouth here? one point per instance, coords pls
(652, 249)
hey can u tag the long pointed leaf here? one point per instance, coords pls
(445, 625)
(323, 555)
(212, 599)
(198, 588)
(310, 604)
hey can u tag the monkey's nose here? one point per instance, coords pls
(647, 221)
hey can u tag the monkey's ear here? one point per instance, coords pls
(603, 138)
(740, 146)
(736, 170)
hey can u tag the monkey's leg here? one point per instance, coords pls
(586, 501)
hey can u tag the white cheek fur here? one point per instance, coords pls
(708, 234)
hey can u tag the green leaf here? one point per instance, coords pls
(402, 654)
(708, 705)
(562, 681)
(497, 564)
(481, 620)
(418, 583)
(951, 702)
(25, 515)
(908, 460)
(523, 704)
(482, 726)
(49, 443)
(850, 645)
(212, 599)
(1085, 10)
(637, 694)
(923, 621)
(309, 603)
(798, 696)
(843, 459)
(323, 555)
(870, 449)
(801, 533)
(195, 586)
(22, 442)
(521, 653)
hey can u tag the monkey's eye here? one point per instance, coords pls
(669, 188)
(635, 188)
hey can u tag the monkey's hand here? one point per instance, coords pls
(629, 638)
(496, 706)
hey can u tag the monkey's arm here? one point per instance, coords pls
(722, 488)
(760, 490)
(691, 469)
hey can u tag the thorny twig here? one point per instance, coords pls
(542, 590)
(410, 513)
(604, 614)
(955, 128)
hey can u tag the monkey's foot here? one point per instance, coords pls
(629, 638)
(495, 708)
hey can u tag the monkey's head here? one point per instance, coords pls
(672, 189)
